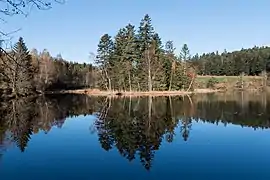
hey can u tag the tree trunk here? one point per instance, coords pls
(170, 87)
(129, 81)
(192, 80)
(14, 82)
(46, 74)
(109, 80)
(149, 73)
(110, 85)
(185, 73)
(124, 86)
(139, 87)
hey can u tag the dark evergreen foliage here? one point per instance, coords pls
(252, 61)
(23, 82)
(137, 61)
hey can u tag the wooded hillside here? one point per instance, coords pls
(252, 61)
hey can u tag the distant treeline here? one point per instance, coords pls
(252, 61)
(24, 73)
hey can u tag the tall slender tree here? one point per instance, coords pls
(46, 71)
(131, 55)
(169, 64)
(23, 83)
(146, 45)
(185, 57)
(103, 59)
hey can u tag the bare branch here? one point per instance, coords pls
(14, 7)
(8, 34)
(11, 58)
(3, 20)
(23, 7)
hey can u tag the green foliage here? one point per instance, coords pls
(25, 69)
(105, 60)
(211, 82)
(104, 51)
(168, 64)
(250, 61)
(139, 62)
(145, 33)
(185, 53)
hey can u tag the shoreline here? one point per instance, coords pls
(115, 94)
(94, 92)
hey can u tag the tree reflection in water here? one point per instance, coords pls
(134, 126)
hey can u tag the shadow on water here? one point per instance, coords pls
(136, 127)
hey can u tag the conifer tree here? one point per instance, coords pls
(156, 66)
(185, 53)
(145, 33)
(23, 83)
(103, 59)
(125, 54)
(118, 60)
(185, 57)
(131, 55)
(169, 64)
(146, 47)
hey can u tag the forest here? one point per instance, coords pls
(26, 73)
(135, 59)
(251, 62)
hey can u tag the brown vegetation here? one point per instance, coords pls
(219, 84)
(96, 92)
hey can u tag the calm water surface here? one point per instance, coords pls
(77, 137)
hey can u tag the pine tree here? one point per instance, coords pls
(169, 64)
(24, 75)
(131, 55)
(185, 57)
(179, 79)
(185, 53)
(145, 45)
(145, 33)
(103, 60)
(125, 56)
(118, 60)
(157, 64)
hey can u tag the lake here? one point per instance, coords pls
(213, 136)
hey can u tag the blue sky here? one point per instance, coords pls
(74, 29)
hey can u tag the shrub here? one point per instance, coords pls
(211, 82)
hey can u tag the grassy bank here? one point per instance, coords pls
(251, 83)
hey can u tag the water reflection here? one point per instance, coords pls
(136, 127)
(21, 118)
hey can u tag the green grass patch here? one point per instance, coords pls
(221, 79)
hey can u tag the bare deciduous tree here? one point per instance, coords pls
(46, 70)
